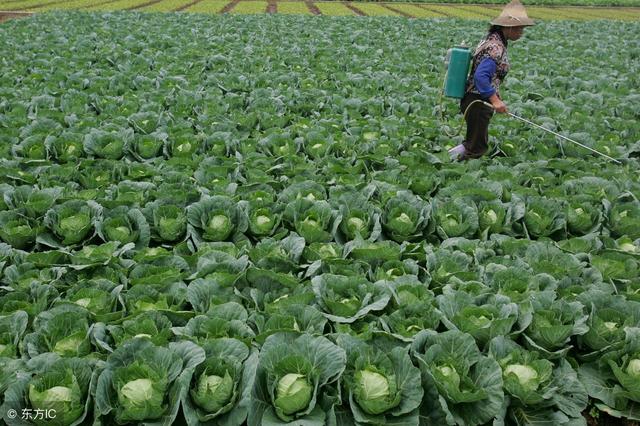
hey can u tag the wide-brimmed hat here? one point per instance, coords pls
(513, 15)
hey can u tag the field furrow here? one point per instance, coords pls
(450, 11)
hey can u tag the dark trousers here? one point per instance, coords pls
(478, 117)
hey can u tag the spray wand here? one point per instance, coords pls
(557, 134)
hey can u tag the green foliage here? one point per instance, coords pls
(204, 224)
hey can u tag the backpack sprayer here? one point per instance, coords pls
(457, 63)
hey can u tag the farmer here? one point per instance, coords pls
(489, 66)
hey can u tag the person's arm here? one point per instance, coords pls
(482, 80)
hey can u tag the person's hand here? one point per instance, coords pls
(499, 106)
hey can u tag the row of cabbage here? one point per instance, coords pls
(462, 333)
(307, 379)
(142, 214)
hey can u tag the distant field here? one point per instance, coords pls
(335, 8)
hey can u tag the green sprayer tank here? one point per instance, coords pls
(457, 63)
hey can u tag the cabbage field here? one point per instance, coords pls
(228, 220)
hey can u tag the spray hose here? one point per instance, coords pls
(464, 115)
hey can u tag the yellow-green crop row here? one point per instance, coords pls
(166, 5)
(334, 9)
(456, 12)
(208, 6)
(67, 5)
(442, 10)
(598, 13)
(118, 5)
(24, 5)
(558, 13)
(546, 13)
(250, 7)
(479, 11)
(416, 11)
(293, 8)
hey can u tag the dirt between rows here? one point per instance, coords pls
(5, 16)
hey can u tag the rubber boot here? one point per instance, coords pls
(456, 152)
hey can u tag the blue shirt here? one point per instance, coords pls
(483, 76)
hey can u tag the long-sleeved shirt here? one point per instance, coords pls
(489, 65)
(483, 76)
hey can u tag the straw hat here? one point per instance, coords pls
(513, 15)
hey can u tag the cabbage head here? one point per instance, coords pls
(140, 381)
(217, 218)
(168, 222)
(293, 375)
(17, 230)
(57, 384)
(312, 220)
(456, 217)
(73, 221)
(59, 391)
(543, 216)
(125, 225)
(263, 220)
(382, 384)
(404, 217)
(293, 393)
(623, 219)
(375, 392)
(627, 371)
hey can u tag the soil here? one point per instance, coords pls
(140, 6)
(313, 8)
(229, 6)
(399, 12)
(604, 419)
(355, 9)
(187, 6)
(5, 16)
(426, 7)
